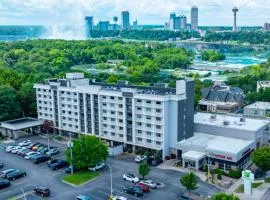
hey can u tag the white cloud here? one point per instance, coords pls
(215, 12)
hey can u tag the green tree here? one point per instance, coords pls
(144, 169)
(261, 158)
(9, 106)
(189, 181)
(87, 151)
(224, 196)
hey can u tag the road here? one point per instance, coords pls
(98, 189)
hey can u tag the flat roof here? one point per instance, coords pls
(196, 155)
(259, 105)
(22, 123)
(229, 121)
(219, 143)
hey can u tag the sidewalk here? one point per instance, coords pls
(257, 193)
(169, 164)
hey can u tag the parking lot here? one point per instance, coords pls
(99, 189)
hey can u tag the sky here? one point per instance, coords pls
(72, 12)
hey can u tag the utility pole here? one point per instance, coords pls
(110, 167)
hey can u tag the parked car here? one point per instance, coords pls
(82, 197)
(4, 183)
(145, 188)
(15, 175)
(16, 149)
(24, 143)
(184, 197)
(34, 148)
(40, 159)
(4, 173)
(140, 158)
(23, 152)
(131, 178)
(133, 190)
(156, 161)
(119, 198)
(58, 165)
(68, 169)
(149, 183)
(42, 191)
(9, 148)
(1, 165)
(30, 155)
(53, 152)
(30, 146)
(97, 167)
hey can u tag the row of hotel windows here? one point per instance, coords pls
(112, 134)
(148, 133)
(148, 125)
(112, 112)
(113, 119)
(148, 141)
(148, 117)
(45, 114)
(112, 126)
(70, 125)
(148, 109)
(44, 108)
(44, 96)
(45, 102)
(148, 101)
(68, 99)
(112, 97)
(44, 90)
(113, 104)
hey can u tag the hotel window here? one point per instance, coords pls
(112, 133)
(158, 110)
(120, 105)
(148, 125)
(105, 132)
(158, 118)
(120, 98)
(75, 100)
(104, 118)
(112, 98)
(148, 109)
(103, 97)
(104, 111)
(148, 102)
(149, 141)
(112, 126)
(120, 113)
(139, 116)
(68, 93)
(139, 100)
(158, 102)
(158, 127)
(139, 124)
(120, 121)
(112, 119)
(158, 143)
(120, 128)
(139, 131)
(158, 135)
(148, 133)
(62, 92)
(139, 108)
(112, 112)
(139, 139)
(148, 117)
(104, 104)
(112, 104)
(104, 125)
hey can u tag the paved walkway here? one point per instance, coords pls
(169, 164)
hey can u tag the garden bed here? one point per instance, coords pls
(80, 177)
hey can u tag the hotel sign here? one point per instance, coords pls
(220, 156)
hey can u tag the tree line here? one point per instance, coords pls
(27, 62)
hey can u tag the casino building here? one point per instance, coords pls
(223, 141)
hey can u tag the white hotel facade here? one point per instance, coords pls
(134, 116)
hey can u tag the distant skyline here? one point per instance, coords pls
(52, 12)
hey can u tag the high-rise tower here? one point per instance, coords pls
(125, 20)
(194, 17)
(235, 10)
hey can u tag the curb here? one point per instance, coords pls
(80, 185)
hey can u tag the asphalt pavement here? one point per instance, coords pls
(99, 189)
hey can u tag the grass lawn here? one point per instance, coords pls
(267, 180)
(80, 177)
(240, 189)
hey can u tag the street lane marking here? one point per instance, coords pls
(21, 195)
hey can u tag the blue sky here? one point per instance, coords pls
(211, 12)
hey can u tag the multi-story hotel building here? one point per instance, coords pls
(154, 117)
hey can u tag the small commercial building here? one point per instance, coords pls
(20, 127)
(223, 141)
(257, 109)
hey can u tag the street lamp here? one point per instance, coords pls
(110, 167)
(70, 145)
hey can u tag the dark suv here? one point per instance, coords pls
(134, 190)
(42, 191)
(40, 159)
(58, 165)
(15, 175)
(4, 183)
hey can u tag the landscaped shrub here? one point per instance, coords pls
(219, 176)
(235, 173)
